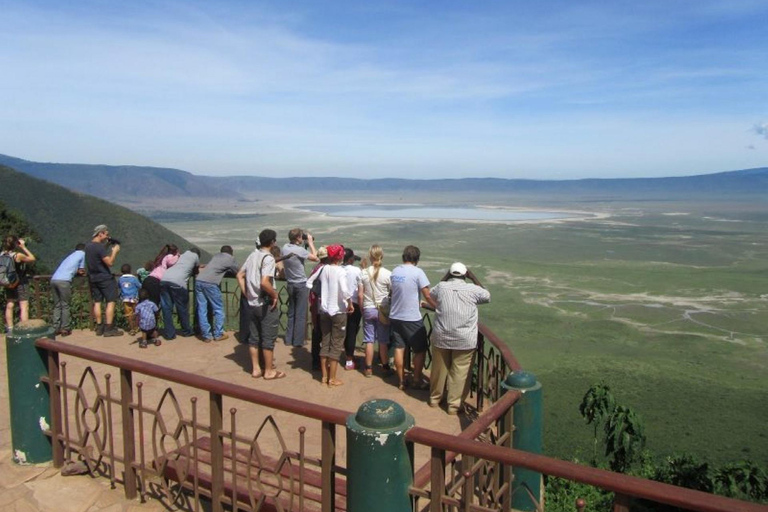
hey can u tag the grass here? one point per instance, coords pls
(670, 309)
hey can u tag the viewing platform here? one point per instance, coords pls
(184, 426)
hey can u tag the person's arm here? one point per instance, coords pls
(241, 281)
(25, 256)
(428, 298)
(474, 279)
(312, 251)
(266, 286)
(110, 259)
(360, 293)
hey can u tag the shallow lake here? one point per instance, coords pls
(435, 212)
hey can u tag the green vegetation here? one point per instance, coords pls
(62, 218)
(666, 301)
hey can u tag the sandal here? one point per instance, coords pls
(335, 383)
(277, 375)
(257, 375)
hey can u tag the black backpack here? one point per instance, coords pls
(9, 277)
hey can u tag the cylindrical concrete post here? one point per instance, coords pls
(28, 397)
(379, 469)
(528, 488)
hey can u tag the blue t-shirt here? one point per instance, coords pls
(68, 268)
(129, 287)
(407, 282)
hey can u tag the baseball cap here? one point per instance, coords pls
(458, 269)
(98, 229)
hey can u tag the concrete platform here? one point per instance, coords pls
(41, 487)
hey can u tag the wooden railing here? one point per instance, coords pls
(212, 455)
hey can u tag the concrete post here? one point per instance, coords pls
(528, 488)
(28, 397)
(378, 463)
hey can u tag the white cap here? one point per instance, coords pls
(458, 269)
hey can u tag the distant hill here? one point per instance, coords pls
(63, 218)
(127, 182)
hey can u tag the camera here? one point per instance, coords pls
(113, 241)
(304, 236)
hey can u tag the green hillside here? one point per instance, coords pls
(62, 218)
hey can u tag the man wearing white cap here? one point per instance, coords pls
(454, 335)
(99, 261)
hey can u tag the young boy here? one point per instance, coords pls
(146, 313)
(129, 293)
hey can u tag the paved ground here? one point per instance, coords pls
(42, 488)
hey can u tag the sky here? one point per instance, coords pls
(402, 88)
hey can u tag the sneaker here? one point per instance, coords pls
(65, 332)
(143, 344)
(224, 336)
(114, 331)
(207, 340)
(99, 329)
(349, 365)
(368, 371)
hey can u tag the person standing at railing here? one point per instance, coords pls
(335, 303)
(355, 284)
(207, 292)
(61, 289)
(296, 278)
(376, 286)
(407, 325)
(257, 283)
(454, 335)
(175, 295)
(99, 260)
(18, 256)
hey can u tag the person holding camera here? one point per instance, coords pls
(15, 250)
(100, 255)
(454, 335)
(296, 277)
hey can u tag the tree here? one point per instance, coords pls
(624, 438)
(685, 471)
(743, 480)
(597, 404)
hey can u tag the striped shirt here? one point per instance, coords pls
(455, 325)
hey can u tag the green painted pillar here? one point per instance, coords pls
(528, 488)
(28, 397)
(379, 468)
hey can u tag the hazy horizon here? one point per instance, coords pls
(547, 91)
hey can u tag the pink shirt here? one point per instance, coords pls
(168, 261)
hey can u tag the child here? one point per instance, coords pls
(146, 312)
(144, 271)
(129, 293)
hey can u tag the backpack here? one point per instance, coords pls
(9, 277)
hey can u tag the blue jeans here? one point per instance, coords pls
(172, 296)
(209, 293)
(298, 301)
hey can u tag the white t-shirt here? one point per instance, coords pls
(376, 292)
(258, 264)
(354, 279)
(335, 291)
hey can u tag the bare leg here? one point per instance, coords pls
(324, 370)
(9, 314)
(254, 352)
(418, 366)
(110, 314)
(97, 312)
(399, 356)
(333, 366)
(384, 354)
(24, 310)
(269, 370)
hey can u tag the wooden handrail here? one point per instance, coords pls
(615, 482)
(282, 403)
